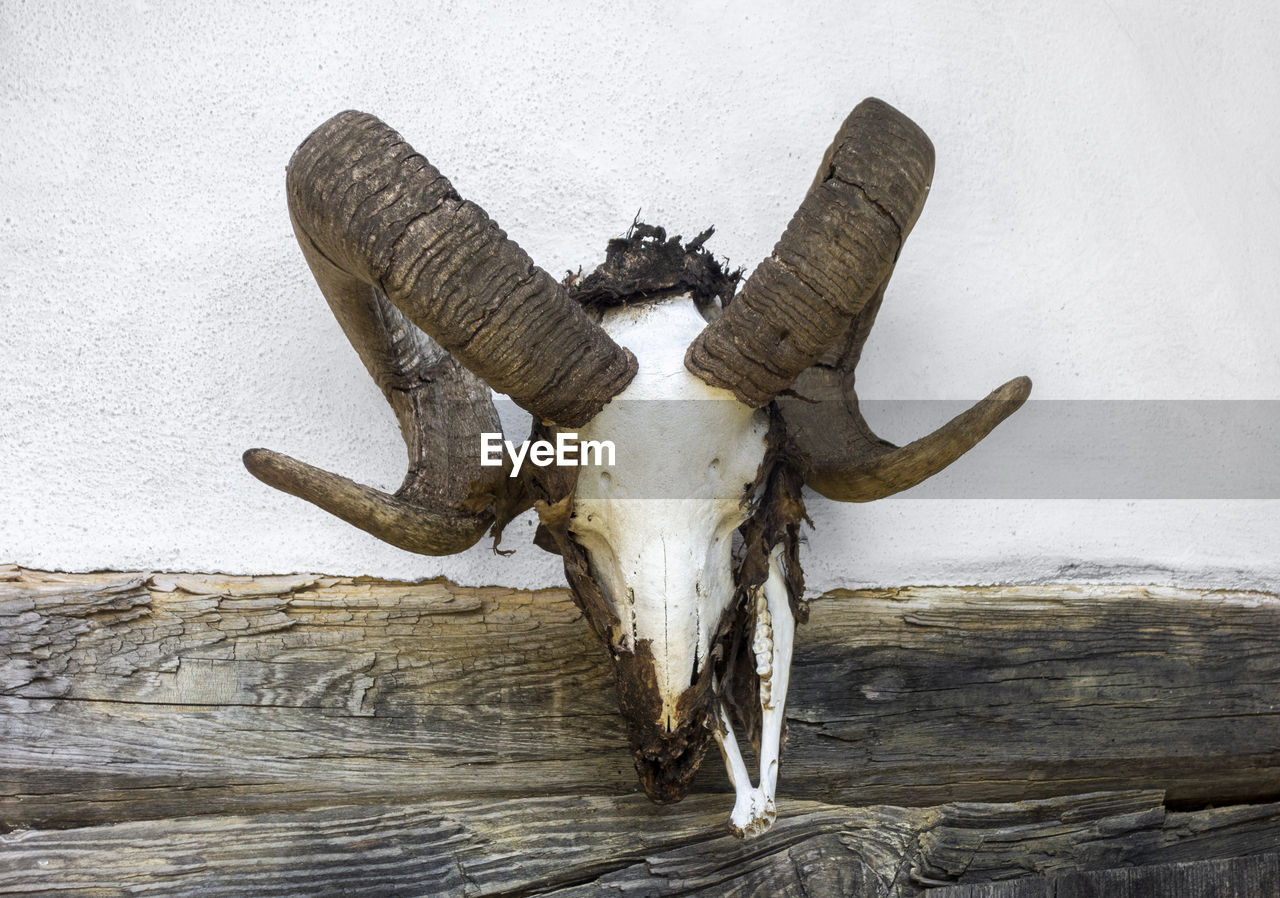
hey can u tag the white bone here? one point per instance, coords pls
(784, 631)
(754, 810)
(762, 647)
(658, 524)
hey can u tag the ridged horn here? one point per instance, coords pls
(797, 328)
(448, 499)
(832, 260)
(379, 212)
(847, 462)
(391, 244)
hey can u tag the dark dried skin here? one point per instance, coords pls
(836, 253)
(646, 265)
(666, 761)
(776, 515)
(382, 215)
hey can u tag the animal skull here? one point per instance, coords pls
(721, 403)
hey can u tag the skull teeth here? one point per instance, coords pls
(762, 646)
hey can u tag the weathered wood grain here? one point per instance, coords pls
(195, 735)
(624, 845)
(125, 696)
(1240, 877)
(1015, 692)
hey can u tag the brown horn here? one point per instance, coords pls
(800, 321)
(382, 215)
(448, 267)
(835, 255)
(448, 499)
(847, 462)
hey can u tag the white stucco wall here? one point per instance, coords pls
(1105, 217)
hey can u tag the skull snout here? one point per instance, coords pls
(673, 612)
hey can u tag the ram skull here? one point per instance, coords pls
(720, 402)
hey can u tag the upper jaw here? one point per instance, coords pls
(668, 747)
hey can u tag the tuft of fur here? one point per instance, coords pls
(646, 265)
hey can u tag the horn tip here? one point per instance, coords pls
(255, 459)
(271, 468)
(1016, 390)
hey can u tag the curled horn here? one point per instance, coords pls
(796, 329)
(836, 253)
(448, 499)
(382, 214)
(440, 305)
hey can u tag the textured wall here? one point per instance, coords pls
(1103, 218)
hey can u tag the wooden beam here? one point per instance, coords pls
(1113, 844)
(131, 696)
(306, 735)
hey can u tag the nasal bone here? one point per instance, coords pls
(667, 614)
(674, 635)
(670, 702)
